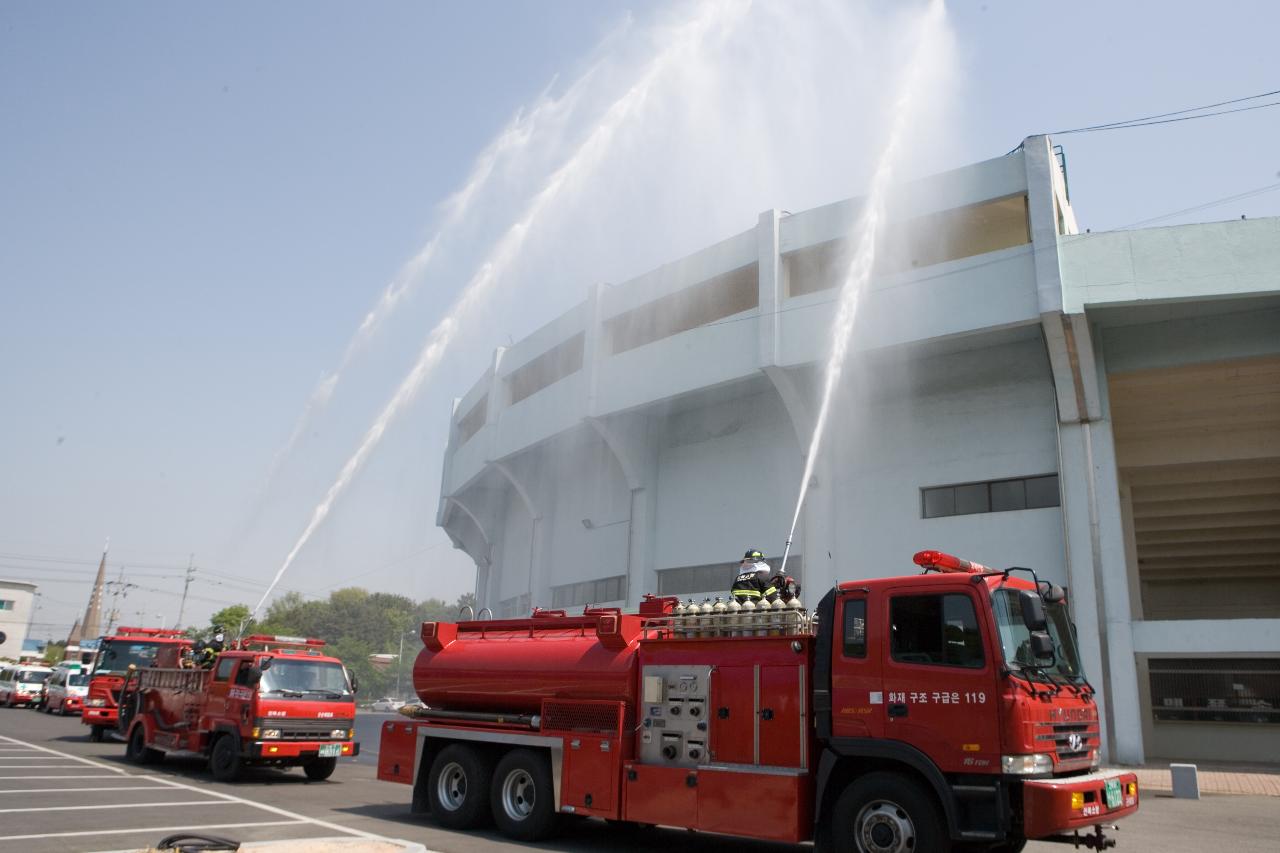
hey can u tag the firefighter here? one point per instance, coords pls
(213, 648)
(752, 582)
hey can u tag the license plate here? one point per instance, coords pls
(1112, 791)
(330, 750)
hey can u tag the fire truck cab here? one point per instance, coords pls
(127, 649)
(266, 701)
(927, 712)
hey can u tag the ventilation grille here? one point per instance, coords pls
(596, 717)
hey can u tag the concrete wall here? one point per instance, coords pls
(13, 623)
(978, 415)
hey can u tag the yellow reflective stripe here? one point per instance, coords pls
(771, 590)
(748, 592)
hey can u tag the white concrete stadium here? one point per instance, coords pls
(1104, 408)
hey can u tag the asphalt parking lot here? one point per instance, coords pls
(60, 793)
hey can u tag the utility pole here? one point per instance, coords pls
(119, 587)
(191, 572)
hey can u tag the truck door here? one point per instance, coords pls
(219, 685)
(940, 679)
(857, 693)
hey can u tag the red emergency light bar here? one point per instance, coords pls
(280, 641)
(941, 562)
(159, 633)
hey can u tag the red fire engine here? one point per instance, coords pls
(277, 701)
(908, 713)
(126, 649)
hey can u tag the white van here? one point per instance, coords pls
(66, 689)
(20, 684)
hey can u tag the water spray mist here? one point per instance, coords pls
(717, 17)
(864, 236)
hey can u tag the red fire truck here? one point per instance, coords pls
(128, 648)
(938, 711)
(268, 700)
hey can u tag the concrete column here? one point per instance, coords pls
(818, 523)
(498, 396)
(1114, 573)
(771, 295)
(592, 348)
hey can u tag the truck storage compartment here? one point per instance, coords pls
(777, 815)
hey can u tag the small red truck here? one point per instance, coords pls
(128, 648)
(266, 701)
(930, 712)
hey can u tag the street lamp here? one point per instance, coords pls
(400, 659)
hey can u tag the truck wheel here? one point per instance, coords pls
(886, 813)
(224, 760)
(137, 751)
(95, 733)
(319, 769)
(523, 797)
(458, 787)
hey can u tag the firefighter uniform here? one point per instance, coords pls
(752, 582)
(784, 586)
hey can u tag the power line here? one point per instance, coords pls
(1165, 118)
(1247, 194)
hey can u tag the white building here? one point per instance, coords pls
(16, 600)
(1104, 408)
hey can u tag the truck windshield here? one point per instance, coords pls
(78, 680)
(299, 678)
(1015, 638)
(116, 655)
(27, 676)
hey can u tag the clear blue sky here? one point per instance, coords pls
(199, 203)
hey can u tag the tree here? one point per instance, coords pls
(53, 653)
(230, 619)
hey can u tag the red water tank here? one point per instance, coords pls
(511, 665)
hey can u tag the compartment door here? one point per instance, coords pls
(732, 715)
(660, 795)
(783, 715)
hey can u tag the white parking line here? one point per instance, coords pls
(373, 836)
(293, 816)
(65, 776)
(29, 757)
(150, 829)
(17, 742)
(114, 806)
(83, 790)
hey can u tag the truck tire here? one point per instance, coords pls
(458, 786)
(319, 769)
(886, 813)
(137, 751)
(95, 733)
(224, 758)
(523, 797)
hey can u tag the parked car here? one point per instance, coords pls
(65, 691)
(387, 704)
(20, 683)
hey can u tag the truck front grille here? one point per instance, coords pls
(1073, 742)
(303, 729)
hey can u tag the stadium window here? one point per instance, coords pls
(6, 604)
(991, 496)
(470, 423)
(589, 592)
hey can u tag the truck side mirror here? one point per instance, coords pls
(254, 676)
(264, 665)
(1033, 611)
(355, 682)
(1041, 645)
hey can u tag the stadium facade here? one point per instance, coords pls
(1104, 408)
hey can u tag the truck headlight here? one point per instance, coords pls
(1026, 765)
(1096, 760)
(340, 734)
(96, 702)
(270, 734)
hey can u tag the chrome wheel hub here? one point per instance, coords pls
(518, 796)
(883, 827)
(451, 788)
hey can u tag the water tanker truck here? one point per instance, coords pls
(930, 712)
